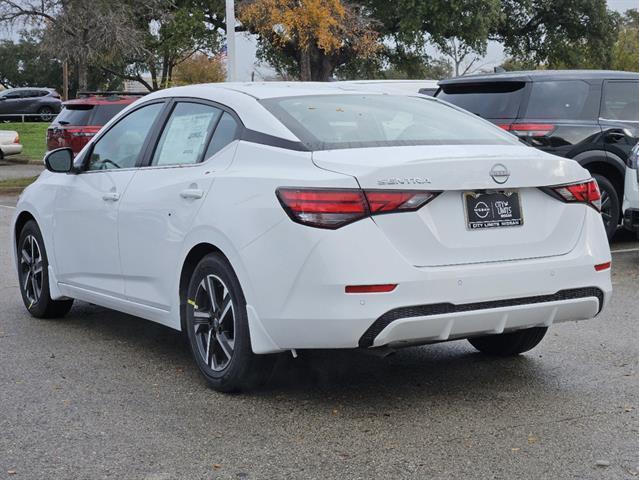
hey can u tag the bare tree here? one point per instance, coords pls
(462, 55)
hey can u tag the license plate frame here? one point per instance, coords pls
(488, 209)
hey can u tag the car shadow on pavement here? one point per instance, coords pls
(444, 370)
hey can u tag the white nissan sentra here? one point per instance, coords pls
(261, 218)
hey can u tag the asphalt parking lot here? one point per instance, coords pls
(100, 394)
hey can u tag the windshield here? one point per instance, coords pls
(326, 122)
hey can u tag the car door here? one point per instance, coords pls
(164, 198)
(11, 102)
(619, 116)
(86, 210)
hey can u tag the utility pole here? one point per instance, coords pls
(231, 58)
(65, 80)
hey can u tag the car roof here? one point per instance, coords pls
(28, 88)
(99, 100)
(541, 75)
(243, 98)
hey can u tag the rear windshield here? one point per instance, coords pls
(570, 100)
(493, 100)
(83, 115)
(325, 122)
(75, 115)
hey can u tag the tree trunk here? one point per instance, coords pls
(83, 83)
(305, 65)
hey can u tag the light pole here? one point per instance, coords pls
(230, 42)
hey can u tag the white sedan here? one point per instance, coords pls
(261, 218)
(9, 143)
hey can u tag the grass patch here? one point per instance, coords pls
(12, 183)
(33, 137)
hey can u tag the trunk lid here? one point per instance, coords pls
(438, 233)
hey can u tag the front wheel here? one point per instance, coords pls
(218, 331)
(610, 210)
(33, 274)
(511, 343)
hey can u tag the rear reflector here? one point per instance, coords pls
(603, 266)
(334, 208)
(584, 192)
(371, 288)
(529, 129)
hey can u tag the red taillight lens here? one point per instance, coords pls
(603, 266)
(334, 208)
(585, 192)
(16, 140)
(384, 201)
(389, 287)
(529, 129)
(323, 208)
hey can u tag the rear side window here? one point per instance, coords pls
(569, 100)
(621, 101)
(493, 100)
(225, 133)
(75, 115)
(186, 134)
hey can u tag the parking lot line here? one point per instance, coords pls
(625, 250)
(7, 206)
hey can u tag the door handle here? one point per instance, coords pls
(111, 197)
(192, 193)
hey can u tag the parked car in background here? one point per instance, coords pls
(425, 87)
(82, 118)
(42, 102)
(589, 116)
(260, 218)
(9, 143)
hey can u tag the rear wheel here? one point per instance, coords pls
(610, 209)
(511, 343)
(217, 328)
(33, 275)
(46, 114)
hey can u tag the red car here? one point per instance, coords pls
(82, 118)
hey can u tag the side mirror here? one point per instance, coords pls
(59, 160)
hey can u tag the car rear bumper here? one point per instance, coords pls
(429, 304)
(11, 149)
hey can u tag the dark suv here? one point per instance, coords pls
(589, 116)
(41, 103)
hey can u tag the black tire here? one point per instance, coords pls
(511, 343)
(33, 275)
(610, 207)
(46, 114)
(218, 333)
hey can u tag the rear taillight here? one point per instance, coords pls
(82, 132)
(16, 140)
(529, 129)
(584, 192)
(334, 208)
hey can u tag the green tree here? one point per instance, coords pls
(625, 53)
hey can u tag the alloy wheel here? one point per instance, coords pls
(214, 322)
(606, 207)
(31, 267)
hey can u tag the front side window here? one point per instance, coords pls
(186, 134)
(621, 101)
(354, 121)
(121, 146)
